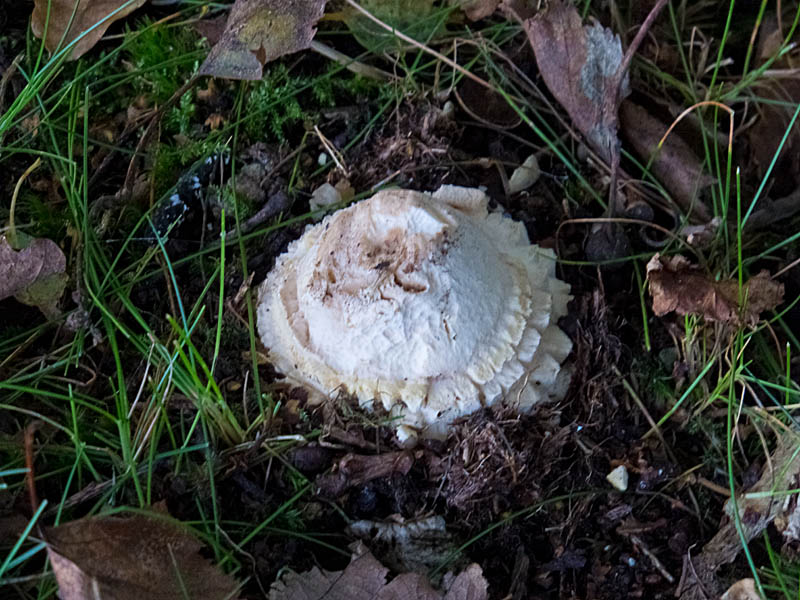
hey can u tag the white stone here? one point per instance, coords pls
(618, 478)
(524, 176)
(324, 196)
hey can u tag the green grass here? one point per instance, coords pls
(121, 436)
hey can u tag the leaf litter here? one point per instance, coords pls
(68, 20)
(582, 67)
(131, 559)
(35, 274)
(258, 32)
(365, 579)
(678, 286)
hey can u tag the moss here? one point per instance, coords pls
(164, 57)
(272, 105)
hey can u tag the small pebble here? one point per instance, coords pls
(524, 176)
(324, 196)
(448, 110)
(618, 478)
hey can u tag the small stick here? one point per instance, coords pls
(613, 101)
(653, 558)
(30, 477)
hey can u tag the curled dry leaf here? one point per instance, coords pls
(580, 66)
(674, 163)
(677, 285)
(34, 275)
(259, 31)
(88, 14)
(132, 559)
(365, 579)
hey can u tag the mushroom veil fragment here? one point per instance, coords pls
(426, 304)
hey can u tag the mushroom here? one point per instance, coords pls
(427, 304)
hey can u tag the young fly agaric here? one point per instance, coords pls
(425, 303)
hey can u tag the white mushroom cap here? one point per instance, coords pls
(426, 303)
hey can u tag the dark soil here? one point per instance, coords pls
(529, 491)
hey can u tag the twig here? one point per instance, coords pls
(30, 477)
(612, 99)
(335, 154)
(639, 38)
(653, 558)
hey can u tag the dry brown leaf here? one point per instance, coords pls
(409, 586)
(744, 589)
(677, 285)
(674, 164)
(87, 14)
(468, 585)
(259, 31)
(476, 9)
(34, 275)
(365, 579)
(132, 559)
(580, 66)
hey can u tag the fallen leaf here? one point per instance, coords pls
(34, 275)
(259, 31)
(211, 29)
(581, 67)
(467, 585)
(132, 558)
(744, 589)
(362, 579)
(674, 164)
(476, 9)
(365, 579)
(416, 545)
(418, 19)
(677, 285)
(89, 14)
